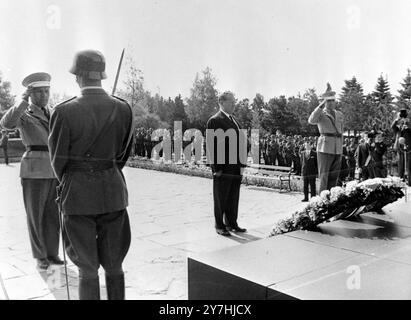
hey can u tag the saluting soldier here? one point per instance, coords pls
(330, 142)
(90, 142)
(37, 177)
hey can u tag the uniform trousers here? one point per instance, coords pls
(42, 216)
(6, 155)
(94, 240)
(329, 166)
(226, 194)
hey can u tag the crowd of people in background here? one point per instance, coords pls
(143, 144)
(368, 155)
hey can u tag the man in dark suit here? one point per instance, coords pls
(363, 157)
(377, 151)
(309, 170)
(4, 140)
(90, 141)
(227, 154)
(351, 147)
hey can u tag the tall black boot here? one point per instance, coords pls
(89, 289)
(115, 287)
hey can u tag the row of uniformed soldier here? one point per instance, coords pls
(143, 145)
(82, 148)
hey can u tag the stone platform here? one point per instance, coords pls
(365, 258)
(171, 216)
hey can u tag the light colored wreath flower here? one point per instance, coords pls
(325, 195)
(316, 201)
(336, 193)
(350, 187)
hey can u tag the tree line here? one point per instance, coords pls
(289, 115)
(363, 111)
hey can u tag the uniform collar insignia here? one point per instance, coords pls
(37, 112)
(93, 89)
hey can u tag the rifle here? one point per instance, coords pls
(118, 72)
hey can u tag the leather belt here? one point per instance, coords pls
(336, 135)
(88, 166)
(37, 148)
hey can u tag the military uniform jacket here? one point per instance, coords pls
(34, 130)
(74, 125)
(329, 125)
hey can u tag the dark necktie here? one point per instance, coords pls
(232, 120)
(46, 113)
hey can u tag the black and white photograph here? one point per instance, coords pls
(202, 150)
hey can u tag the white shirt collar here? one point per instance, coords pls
(92, 87)
(228, 115)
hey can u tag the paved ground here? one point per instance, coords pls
(171, 217)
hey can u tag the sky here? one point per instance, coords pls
(272, 47)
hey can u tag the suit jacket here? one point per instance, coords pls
(361, 155)
(34, 130)
(309, 166)
(377, 153)
(221, 121)
(74, 125)
(325, 123)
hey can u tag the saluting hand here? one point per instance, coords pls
(27, 93)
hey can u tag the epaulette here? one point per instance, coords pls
(64, 102)
(121, 99)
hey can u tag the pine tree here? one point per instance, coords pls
(352, 105)
(379, 106)
(352, 87)
(404, 97)
(382, 94)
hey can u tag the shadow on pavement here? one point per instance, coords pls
(243, 237)
(55, 279)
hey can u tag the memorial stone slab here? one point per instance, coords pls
(368, 257)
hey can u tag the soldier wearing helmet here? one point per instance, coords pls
(90, 142)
